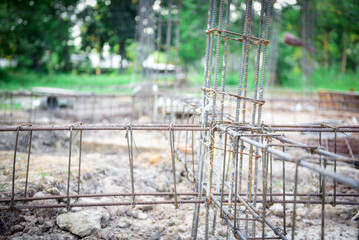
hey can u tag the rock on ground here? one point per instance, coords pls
(83, 223)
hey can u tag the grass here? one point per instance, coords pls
(323, 79)
(330, 79)
(9, 107)
(98, 83)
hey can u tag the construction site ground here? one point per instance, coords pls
(105, 169)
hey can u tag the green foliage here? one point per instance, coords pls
(43, 175)
(32, 31)
(335, 19)
(193, 26)
(112, 22)
(38, 35)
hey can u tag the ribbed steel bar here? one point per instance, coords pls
(88, 127)
(348, 181)
(284, 196)
(254, 213)
(102, 204)
(258, 63)
(168, 202)
(167, 194)
(254, 111)
(28, 162)
(243, 56)
(80, 158)
(252, 40)
(224, 66)
(261, 92)
(69, 172)
(129, 137)
(204, 118)
(247, 42)
(14, 170)
(313, 130)
(299, 128)
(294, 214)
(214, 113)
(173, 157)
(310, 126)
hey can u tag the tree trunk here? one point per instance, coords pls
(35, 61)
(122, 52)
(98, 69)
(326, 50)
(344, 56)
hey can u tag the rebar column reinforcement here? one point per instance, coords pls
(236, 160)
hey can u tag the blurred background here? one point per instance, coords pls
(93, 44)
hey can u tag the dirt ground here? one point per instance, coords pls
(105, 169)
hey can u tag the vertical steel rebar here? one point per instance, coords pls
(269, 5)
(79, 172)
(68, 204)
(322, 235)
(320, 164)
(265, 180)
(284, 200)
(203, 121)
(236, 140)
(129, 137)
(209, 180)
(225, 51)
(294, 216)
(247, 26)
(12, 202)
(173, 157)
(335, 169)
(28, 163)
(223, 172)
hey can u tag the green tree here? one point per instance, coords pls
(193, 26)
(111, 22)
(123, 23)
(35, 32)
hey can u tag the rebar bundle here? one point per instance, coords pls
(246, 216)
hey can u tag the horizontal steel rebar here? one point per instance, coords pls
(348, 181)
(76, 126)
(163, 194)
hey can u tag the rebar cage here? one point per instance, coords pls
(240, 167)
